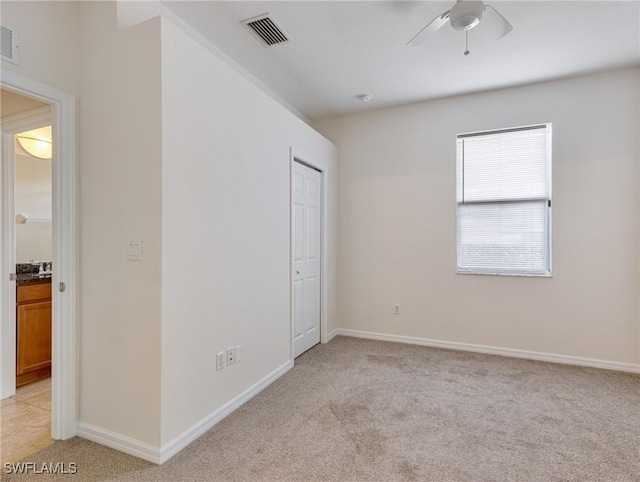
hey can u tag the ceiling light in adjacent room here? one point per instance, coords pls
(37, 142)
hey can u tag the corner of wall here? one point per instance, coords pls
(120, 200)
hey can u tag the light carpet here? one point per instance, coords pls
(363, 410)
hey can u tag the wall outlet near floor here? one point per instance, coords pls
(231, 356)
(238, 349)
(221, 360)
(396, 309)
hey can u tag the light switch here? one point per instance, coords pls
(134, 250)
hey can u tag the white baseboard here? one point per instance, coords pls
(119, 442)
(330, 336)
(189, 435)
(494, 350)
(158, 455)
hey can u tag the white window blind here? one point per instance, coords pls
(504, 201)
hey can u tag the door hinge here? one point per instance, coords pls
(62, 286)
(13, 276)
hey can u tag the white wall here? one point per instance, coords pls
(120, 199)
(49, 37)
(397, 222)
(33, 198)
(225, 229)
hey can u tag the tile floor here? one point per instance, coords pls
(25, 421)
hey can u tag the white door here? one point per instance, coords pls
(306, 189)
(7, 266)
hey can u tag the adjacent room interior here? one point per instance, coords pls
(322, 240)
(26, 407)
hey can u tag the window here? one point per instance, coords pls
(504, 201)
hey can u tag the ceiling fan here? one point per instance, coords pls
(464, 15)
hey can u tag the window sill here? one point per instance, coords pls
(525, 275)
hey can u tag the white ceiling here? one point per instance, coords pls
(12, 103)
(341, 49)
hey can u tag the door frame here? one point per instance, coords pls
(305, 161)
(64, 373)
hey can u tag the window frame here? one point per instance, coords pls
(549, 213)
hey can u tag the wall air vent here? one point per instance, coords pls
(9, 45)
(266, 29)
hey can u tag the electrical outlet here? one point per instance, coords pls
(231, 356)
(396, 309)
(238, 353)
(221, 360)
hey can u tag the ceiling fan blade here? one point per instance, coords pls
(504, 27)
(431, 28)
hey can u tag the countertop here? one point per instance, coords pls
(32, 278)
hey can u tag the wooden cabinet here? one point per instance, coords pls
(33, 332)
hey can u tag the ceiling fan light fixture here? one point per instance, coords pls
(466, 14)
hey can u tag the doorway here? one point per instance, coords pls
(27, 186)
(306, 256)
(62, 119)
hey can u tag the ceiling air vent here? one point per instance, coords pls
(9, 45)
(266, 29)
